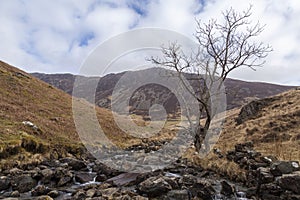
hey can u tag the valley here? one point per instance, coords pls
(42, 156)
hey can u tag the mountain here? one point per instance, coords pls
(238, 92)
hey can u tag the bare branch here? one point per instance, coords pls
(222, 47)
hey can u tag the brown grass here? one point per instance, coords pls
(25, 98)
(278, 120)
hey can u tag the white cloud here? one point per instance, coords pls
(56, 36)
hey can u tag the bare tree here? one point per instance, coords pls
(222, 47)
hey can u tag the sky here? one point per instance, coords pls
(57, 36)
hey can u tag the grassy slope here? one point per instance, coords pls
(25, 98)
(275, 121)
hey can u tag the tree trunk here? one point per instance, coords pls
(199, 138)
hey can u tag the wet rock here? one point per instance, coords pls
(227, 189)
(5, 194)
(60, 172)
(270, 197)
(188, 180)
(154, 186)
(44, 197)
(253, 165)
(265, 175)
(64, 181)
(47, 175)
(193, 170)
(36, 173)
(40, 190)
(101, 178)
(24, 183)
(178, 195)
(290, 196)
(63, 176)
(4, 183)
(202, 188)
(270, 189)
(49, 163)
(80, 195)
(268, 159)
(53, 194)
(144, 176)
(75, 164)
(240, 194)
(110, 192)
(15, 194)
(15, 171)
(124, 179)
(100, 168)
(290, 182)
(90, 192)
(84, 177)
(284, 167)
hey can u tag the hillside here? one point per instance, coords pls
(272, 124)
(37, 118)
(238, 92)
(25, 98)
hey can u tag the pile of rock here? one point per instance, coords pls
(147, 146)
(42, 179)
(267, 177)
(70, 178)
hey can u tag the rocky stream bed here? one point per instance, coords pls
(72, 178)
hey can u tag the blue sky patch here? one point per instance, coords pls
(139, 7)
(84, 40)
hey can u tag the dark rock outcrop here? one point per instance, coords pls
(252, 109)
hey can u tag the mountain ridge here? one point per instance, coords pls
(238, 92)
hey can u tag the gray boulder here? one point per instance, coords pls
(24, 183)
(40, 190)
(4, 183)
(154, 186)
(290, 182)
(284, 167)
(84, 177)
(265, 175)
(178, 195)
(75, 164)
(227, 189)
